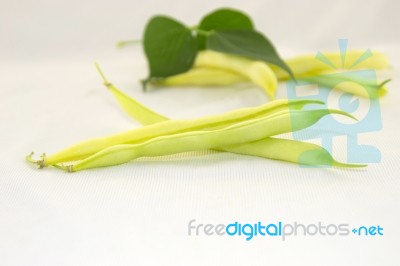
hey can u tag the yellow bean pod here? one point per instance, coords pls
(287, 150)
(360, 86)
(310, 65)
(271, 148)
(220, 77)
(203, 76)
(130, 105)
(86, 148)
(256, 71)
(238, 133)
(217, 69)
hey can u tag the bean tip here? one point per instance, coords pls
(317, 101)
(106, 82)
(340, 112)
(348, 165)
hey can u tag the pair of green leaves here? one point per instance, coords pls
(171, 47)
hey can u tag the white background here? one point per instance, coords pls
(137, 214)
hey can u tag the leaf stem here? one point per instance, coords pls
(204, 32)
(122, 44)
(196, 29)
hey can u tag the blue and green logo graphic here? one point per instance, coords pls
(337, 87)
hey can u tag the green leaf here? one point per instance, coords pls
(223, 19)
(247, 43)
(170, 47)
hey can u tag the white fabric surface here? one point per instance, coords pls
(138, 213)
